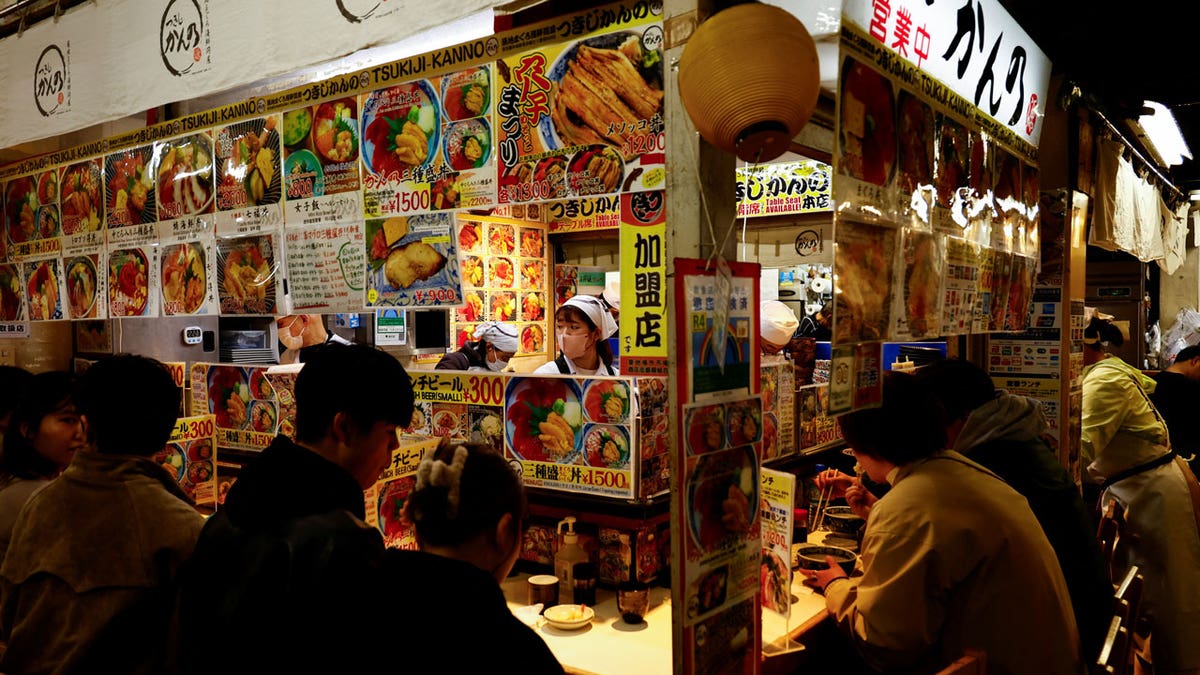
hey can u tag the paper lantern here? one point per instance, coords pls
(749, 78)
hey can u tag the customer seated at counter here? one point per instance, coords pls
(468, 507)
(495, 345)
(953, 558)
(583, 327)
(286, 575)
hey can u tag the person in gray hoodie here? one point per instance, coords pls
(1006, 433)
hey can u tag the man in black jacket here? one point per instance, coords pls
(286, 575)
(1004, 433)
(1177, 397)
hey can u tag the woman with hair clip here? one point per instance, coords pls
(583, 326)
(495, 345)
(1127, 450)
(44, 434)
(468, 507)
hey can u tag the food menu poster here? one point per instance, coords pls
(326, 266)
(777, 386)
(653, 436)
(642, 333)
(190, 456)
(505, 279)
(385, 499)
(575, 435)
(330, 152)
(716, 568)
(818, 429)
(583, 117)
(716, 366)
(242, 401)
(412, 261)
(778, 491)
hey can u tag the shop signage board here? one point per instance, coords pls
(775, 511)
(190, 456)
(783, 188)
(385, 499)
(642, 334)
(242, 401)
(585, 214)
(505, 278)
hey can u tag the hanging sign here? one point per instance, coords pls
(783, 188)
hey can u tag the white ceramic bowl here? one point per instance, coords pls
(569, 617)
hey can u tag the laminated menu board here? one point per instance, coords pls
(249, 181)
(412, 261)
(777, 385)
(570, 434)
(385, 499)
(242, 401)
(321, 162)
(190, 456)
(504, 273)
(778, 496)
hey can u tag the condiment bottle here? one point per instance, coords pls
(569, 553)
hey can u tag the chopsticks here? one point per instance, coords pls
(822, 504)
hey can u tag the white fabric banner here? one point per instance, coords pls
(103, 61)
(973, 47)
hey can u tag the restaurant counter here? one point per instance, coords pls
(609, 646)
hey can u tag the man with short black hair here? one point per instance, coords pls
(1177, 397)
(287, 569)
(88, 580)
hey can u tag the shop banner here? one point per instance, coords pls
(716, 537)
(504, 265)
(718, 360)
(585, 214)
(190, 456)
(778, 497)
(783, 188)
(642, 334)
(242, 401)
(1000, 70)
(584, 117)
(73, 75)
(326, 267)
(412, 261)
(385, 499)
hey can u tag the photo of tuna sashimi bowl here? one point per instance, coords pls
(544, 419)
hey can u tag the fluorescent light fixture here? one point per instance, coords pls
(1194, 195)
(1161, 133)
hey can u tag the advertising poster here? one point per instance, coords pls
(248, 271)
(583, 117)
(385, 499)
(242, 401)
(132, 282)
(721, 360)
(459, 406)
(642, 334)
(321, 183)
(918, 310)
(249, 177)
(962, 279)
(130, 197)
(44, 296)
(783, 188)
(185, 169)
(863, 264)
(412, 261)
(326, 267)
(778, 491)
(283, 380)
(82, 188)
(190, 456)
(86, 287)
(188, 277)
(718, 550)
(653, 436)
(32, 215)
(818, 429)
(585, 214)
(504, 273)
(777, 386)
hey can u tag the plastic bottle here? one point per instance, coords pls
(569, 553)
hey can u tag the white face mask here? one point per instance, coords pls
(573, 346)
(497, 366)
(291, 341)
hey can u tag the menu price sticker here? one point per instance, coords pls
(584, 479)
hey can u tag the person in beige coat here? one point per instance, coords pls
(952, 557)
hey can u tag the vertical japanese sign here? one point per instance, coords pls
(716, 369)
(190, 456)
(643, 329)
(385, 499)
(778, 496)
(584, 117)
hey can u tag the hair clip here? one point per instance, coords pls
(436, 473)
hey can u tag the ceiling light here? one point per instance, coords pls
(1162, 136)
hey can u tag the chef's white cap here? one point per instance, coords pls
(591, 307)
(776, 322)
(612, 294)
(502, 336)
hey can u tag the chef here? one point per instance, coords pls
(495, 345)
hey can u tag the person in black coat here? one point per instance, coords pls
(1177, 397)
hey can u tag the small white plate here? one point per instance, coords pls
(564, 616)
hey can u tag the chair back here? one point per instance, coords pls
(973, 662)
(1109, 532)
(1114, 655)
(1129, 591)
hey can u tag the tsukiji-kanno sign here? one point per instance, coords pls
(783, 188)
(974, 47)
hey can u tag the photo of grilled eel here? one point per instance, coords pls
(602, 96)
